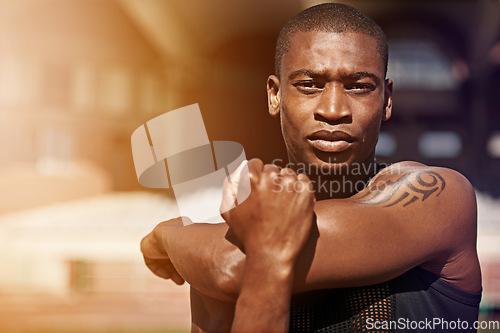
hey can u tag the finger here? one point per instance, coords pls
(235, 176)
(152, 245)
(271, 174)
(271, 168)
(288, 179)
(230, 187)
(158, 267)
(307, 184)
(304, 186)
(288, 172)
(228, 196)
(165, 269)
(255, 167)
(174, 275)
(152, 248)
(288, 183)
(303, 177)
(244, 184)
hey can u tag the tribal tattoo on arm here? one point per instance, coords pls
(407, 189)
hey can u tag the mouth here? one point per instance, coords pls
(330, 141)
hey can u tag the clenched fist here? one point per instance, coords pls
(276, 217)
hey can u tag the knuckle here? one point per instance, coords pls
(270, 168)
(255, 163)
(305, 187)
(254, 169)
(288, 171)
(303, 177)
(289, 179)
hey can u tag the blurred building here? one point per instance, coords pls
(78, 76)
(76, 266)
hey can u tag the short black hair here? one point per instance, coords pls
(329, 17)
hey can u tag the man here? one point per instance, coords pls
(388, 249)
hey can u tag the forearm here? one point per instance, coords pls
(204, 257)
(264, 302)
(209, 314)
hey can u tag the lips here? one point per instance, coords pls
(330, 141)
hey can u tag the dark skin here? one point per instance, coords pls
(331, 82)
(409, 214)
(271, 248)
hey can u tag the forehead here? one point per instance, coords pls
(332, 52)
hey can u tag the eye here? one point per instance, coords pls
(308, 87)
(360, 88)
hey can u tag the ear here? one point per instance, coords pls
(273, 95)
(387, 112)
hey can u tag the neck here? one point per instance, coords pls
(344, 181)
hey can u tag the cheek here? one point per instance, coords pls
(290, 121)
(292, 130)
(371, 129)
(288, 130)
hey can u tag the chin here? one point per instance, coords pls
(333, 159)
(320, 165)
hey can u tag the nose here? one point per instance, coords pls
(333, 106)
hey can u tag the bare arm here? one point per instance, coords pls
(273, 224)
(415, 216)
(264, 301)
(361, 240)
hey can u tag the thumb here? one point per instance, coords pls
(233, 186)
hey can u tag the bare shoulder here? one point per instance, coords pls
(446, 199)
(437, 194)
(407, 183)
(408, 215)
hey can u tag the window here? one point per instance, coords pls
(80, 275)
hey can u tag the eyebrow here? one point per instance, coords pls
(354, 76)
(306, 72)
(361, 75)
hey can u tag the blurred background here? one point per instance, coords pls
(77, 77)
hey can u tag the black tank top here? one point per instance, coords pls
(417, 301)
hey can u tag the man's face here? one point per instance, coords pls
(331, 98)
